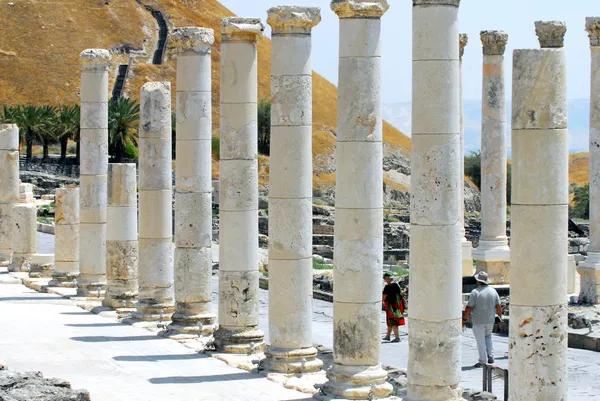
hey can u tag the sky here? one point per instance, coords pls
(516, 17)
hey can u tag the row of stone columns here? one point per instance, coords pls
(9, 190)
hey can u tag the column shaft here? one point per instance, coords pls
(93, 170)
(66, 237)
(540, 198)
(434, 326)
(25, 235)
(9, 190)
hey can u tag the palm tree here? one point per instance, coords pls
(123, 119)
(65, 127)
(30, 120)
(48, 128)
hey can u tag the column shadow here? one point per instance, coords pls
(203, 379)
(155, 358)
(98, 339)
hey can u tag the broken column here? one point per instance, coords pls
(155, 266)
(122, 237)
(238, 205)
(358, 254)
(66, 237)
(467, 246)
(590, 270)
(290, 192)
(93, 170)
(24, 230)
(193, 187)
(540, 202)
(435, 303)
(9, 190)
(492, 254)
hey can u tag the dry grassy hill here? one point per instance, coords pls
(579, 168)
(41, 41)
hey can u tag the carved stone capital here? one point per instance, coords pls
(453, 3)
(95, 60)
(241, 29)
(494, 42)
(192, 39)
(293, 19)
(463, 39)
(359, 8)
(551, 33)
(592, 26)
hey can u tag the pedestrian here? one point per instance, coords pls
(393, 305)
(483, 305)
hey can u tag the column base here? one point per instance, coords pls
(467, 258)
(66, 280)
(246, 340)
(191, 326)
(148, 311)
(20, 263)
(356, 383)
(493, 257)
(590, 282)
(5, 257)
(121, 294)
(292, 360)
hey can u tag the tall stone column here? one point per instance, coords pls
(358, 253)
(122, 238)
(540, 202)
(24, 230)
(467, 246)
(155, 266)
(93, 171)
(290, 192)
(492, 254)
(590, 270)
(238, 204)
(435, 303)
(66, 237)
(193, 188)
(9, 190)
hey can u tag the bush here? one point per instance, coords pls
(264, 127)
(130, 151)
(216, 148)
(581, 201)
(473, 167)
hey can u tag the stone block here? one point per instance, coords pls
(290, 228)
(295, 51)
(291, 97)
(363, 174)
(194, 72)
(238, 185)
(93, 116)
(240, 230)
(193, 220)
(435, 22)
(156, 216)
(194, 166)
(194, 115)
(356, 335)
(238, 298)
(193, 275)
(238, 62)
(155, 164)
(291, 162)
(239, 131)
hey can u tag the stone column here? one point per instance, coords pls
(122, 238)
(24, 230)
(155, 266)
(93, 170)
(193, 188)
(492, 254)
(467, 246)
(66, 237)
(290, 192)
(238, 205)
(540, 202)
(9, 190)
(358, 249)
(435, 303)
(590, 270)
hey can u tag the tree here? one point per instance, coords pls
(46, 132)
(30, 120)
(123, 119)
(65, 127)
(581, 201)
(264, 127)
(473, 167)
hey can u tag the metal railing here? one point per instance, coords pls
(494, 372)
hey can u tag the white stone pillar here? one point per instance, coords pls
(290, 192)
(122, 238)
(590, 270)
(93, 170)
(435, 300)
(155, 266)
(492, 254)
(9, 190)
(24, 230)
(467, 246)
(238, 205)
(193, 188)
(66, 237)
(540, 198)
(358, 253)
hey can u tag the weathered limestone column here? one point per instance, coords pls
(290, 192)
(193, 188)
(122, 237)
(435, 303)
(467, 246)
(238, 205)
(590, 270)
(9, 190)
(93, 170)
(24, 230)
(358, 254)
(540, 199)
(492, 254)
(155, 266)
(66, 237)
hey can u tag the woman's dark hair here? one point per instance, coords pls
(387, 275)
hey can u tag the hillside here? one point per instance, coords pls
(579, 168)
(41, 41)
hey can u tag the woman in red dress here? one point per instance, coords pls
(393, 304)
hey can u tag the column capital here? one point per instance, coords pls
(463, 39)
(293, 20)
(592, 26)
(95, 60)
(453, 3)
(241, 29)
(551, 34)
(494, 42)
(359, 8)
(192, 40)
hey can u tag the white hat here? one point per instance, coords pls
(482, 277)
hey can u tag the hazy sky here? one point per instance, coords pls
(516, 17)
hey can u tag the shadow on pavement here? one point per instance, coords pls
(93, 324)
(47, 298)
(98, 339)
(203, 379)
(144, 358)
(77, 313)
